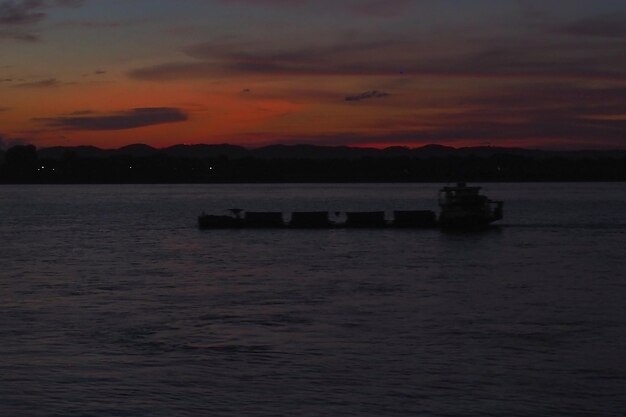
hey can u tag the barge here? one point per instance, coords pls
(460, 207)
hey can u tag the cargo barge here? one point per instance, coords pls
(460, 207)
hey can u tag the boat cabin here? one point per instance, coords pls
(465, 206)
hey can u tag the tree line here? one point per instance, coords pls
(24, 164)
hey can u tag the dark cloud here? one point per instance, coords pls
(26, 12)
(264, 3)
(607, 26)
(263, 57)
(69, 3)
(23, 12)
(96, 73)
(562, 130)
(17, 35)
(560, 112)
(381, 8)
(99, 24)
(592, 134)
(47, 83)
(577, 100)
(235, 59)
(123, 120)
(17, 17)
(565, 113)
(367, 95)
(490, 58)
(372, 8)
(175, 71)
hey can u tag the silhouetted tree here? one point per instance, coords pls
(20, 163)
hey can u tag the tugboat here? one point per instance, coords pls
(464, 207)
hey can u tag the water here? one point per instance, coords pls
(113, 303)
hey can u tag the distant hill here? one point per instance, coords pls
(138, 150)
(206, 151)
(60, 152)
(313, 152)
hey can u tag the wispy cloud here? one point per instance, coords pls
(591, 135)
(50, 82)
(371, 8)
(381, 8)
(265, 3)
(606, 26)
(70, 3)
(18, 17)
(47, 83)
(367, 95)
(213, 59)
(122, 120)
(557, 112)
(99, 24)
(14, 13)
(518, 58)
(18, 35)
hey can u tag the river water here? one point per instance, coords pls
(113, 303)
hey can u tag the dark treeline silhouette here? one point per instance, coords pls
(304, 163)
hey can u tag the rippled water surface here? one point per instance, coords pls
(113, 303)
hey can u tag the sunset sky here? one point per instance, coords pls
(529, 73)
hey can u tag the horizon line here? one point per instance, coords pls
(305, 144)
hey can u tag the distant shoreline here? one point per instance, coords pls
(299, 164)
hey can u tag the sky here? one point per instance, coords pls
(547, 74)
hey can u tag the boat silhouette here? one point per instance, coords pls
(462, 207)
